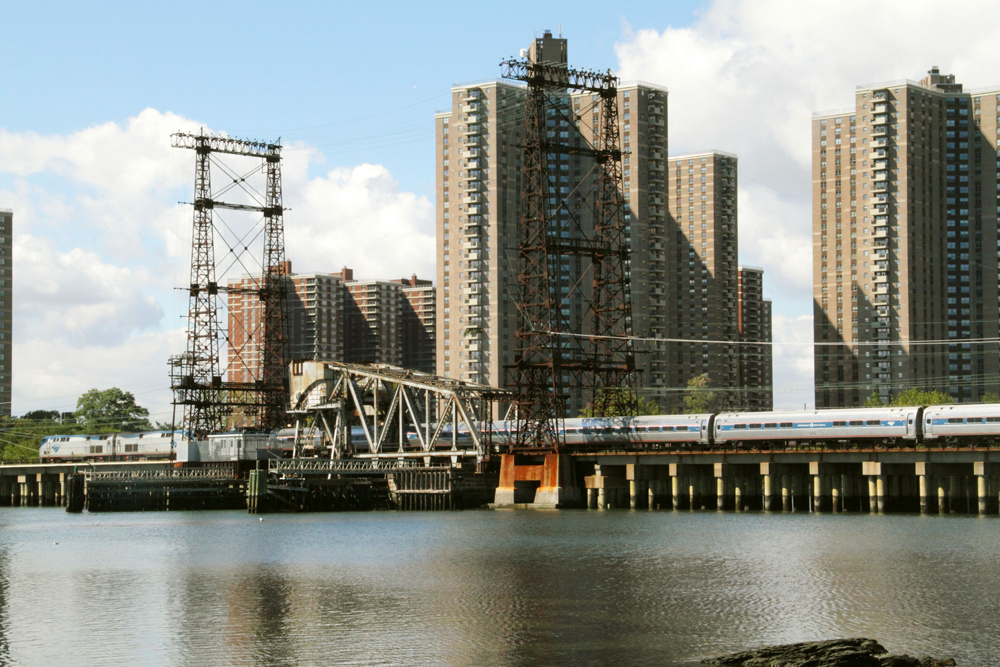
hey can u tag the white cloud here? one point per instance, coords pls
(746, 78)
(100, 244)
(50, 375)
(357, 217)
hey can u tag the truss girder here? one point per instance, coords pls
(400, 414)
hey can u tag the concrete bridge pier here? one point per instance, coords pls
(690, 485)
(922, 484)
(29, 490)
(641, 480)
(984, 471)
(942, 494)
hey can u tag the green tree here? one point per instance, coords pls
(111, 409)
(699, 397)
(990, 397)
(616, 399)
(912, 396)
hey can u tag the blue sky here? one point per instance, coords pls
(92, 91)
(359, 80)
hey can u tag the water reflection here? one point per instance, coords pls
(486, 588)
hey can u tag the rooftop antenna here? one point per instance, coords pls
(560, 31)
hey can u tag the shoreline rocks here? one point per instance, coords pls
(858, 652)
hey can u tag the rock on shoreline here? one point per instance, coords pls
(832, 653)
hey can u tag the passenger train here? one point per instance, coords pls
(151, 445)
(934, 425)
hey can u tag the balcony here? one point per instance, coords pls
(880, 120)
(471, 107)
(881, 232)
(880, 130)
(880, 108)
(473, 130)
(881, 220)
(473, 210)
(880, 209)
(472, 199)
(881, 142)
(881, 277)
(880, 176)
(880, 186)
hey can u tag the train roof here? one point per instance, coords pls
(973, 409)
(792, 415)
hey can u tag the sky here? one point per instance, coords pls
(92, 91)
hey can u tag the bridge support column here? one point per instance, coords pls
(768, 493)
(720, 493)
(982, 493)
(5, 490)
(592, 498)
(640, 485)
(543, 481)
(942, 494)
(922, 482)
(49, 486)
(29, 490)
(818, 496)
(985, 475)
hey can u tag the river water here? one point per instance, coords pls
(486, 588)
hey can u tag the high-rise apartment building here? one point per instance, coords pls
(755, 382)
(334, 317)
(6, 306)
(373, 315)
(905, 242)
(478, 193)
(418, 327)
(699, 284)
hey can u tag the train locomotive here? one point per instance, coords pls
(147, 446)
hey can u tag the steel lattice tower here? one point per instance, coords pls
(556, 352)
(196, 379)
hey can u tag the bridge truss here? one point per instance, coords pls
(395, 414)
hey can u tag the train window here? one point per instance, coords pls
(770, 426)
(955, 420)
(739, 426)
(993, 420)
(786, 425)
(857, 422)
(975, 420)
(755, 425)
(586, 431)
(840, 423)
(667, 428)
(873, 422)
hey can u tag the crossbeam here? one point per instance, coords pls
(222, 144)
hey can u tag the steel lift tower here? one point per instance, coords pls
(575, 239)
(209, 402)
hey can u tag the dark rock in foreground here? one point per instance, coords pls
(832, 653)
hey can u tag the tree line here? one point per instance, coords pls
(97, 411)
